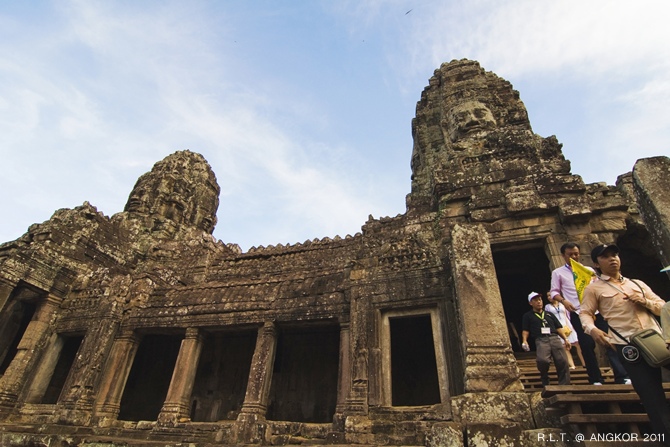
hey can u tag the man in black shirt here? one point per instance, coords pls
(547, 331)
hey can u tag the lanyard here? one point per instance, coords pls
(558, 314)
(541, 317)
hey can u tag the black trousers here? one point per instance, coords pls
(588, 347)
(648, 384)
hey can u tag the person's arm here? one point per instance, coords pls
(587, 317)
(556, 288)
(524, 340)
(564, 336)
(665, 322)
(648, 299)
(525, 332)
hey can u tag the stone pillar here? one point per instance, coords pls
(343, 375)
(45, 370)
(651, 182)
(6, 288)
(177, 402)
(79, 392)
(489, 364)
(251, 420)
(357, 401)
(115, 375)
(28, 351)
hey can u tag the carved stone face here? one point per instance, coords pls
(467, 119)
(181, 188)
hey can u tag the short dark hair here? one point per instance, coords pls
(569, 245)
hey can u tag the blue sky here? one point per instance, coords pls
(303, 108)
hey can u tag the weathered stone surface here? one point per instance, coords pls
(503, 434)
(540, 416)
(472, 270)
(445, 434)
(142, 329)
(486, 408)
(651, 180)
(472, 130)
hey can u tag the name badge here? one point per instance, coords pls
(546, 331)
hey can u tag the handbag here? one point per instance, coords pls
(652, 347)
(646, 343)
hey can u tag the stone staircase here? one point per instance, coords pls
(530, 376)
(608, 414)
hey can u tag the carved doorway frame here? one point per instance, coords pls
(438, 345)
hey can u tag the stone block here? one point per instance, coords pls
(483, 408)
(504, 434)
(651, 180)
(445, 434)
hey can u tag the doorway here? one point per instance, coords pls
(149, 377)
(520, 269)
(304, 378)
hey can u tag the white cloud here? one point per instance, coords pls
(515, 38)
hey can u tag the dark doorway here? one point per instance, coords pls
(149, 377)
(640, 261)
(221, 379)
(63, 366)
(414, 378)
(304, 379)
(13, 324)
(520, 270)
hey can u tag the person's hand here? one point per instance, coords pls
(601, 338)
(636, 298)
(568, 305)
(525, 346)
(567, 345)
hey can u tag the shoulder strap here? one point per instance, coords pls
(640, 287)
(619, 335)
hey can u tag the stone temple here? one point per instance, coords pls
(141, 329)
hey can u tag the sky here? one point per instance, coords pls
(303, 108)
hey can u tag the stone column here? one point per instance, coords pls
(651, 183)
(357, 401)
(45, 370)
(28, 351)
(177, 402)
(344, 373)
(6, 288)
(489, 364)
(79, 392)
(254, 409)
(115, 375)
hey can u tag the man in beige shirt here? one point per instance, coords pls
(627, 305)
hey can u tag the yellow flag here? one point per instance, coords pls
(582, 277)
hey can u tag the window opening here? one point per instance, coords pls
(65, 361)
(304, 380)
(222, 376)
(414, 378)
(13, 324)
(149, 377)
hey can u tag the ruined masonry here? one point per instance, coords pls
(142, 329)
